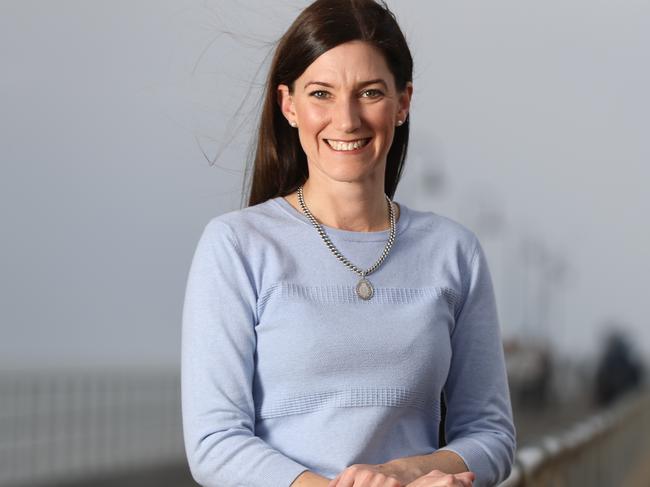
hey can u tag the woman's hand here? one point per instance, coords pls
(362, 475)
(436, 478)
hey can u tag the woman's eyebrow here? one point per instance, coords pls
(360, 85)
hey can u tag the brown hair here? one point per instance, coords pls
(280, 164)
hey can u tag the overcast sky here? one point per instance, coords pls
(529, 125)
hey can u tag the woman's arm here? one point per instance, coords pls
(218, 364)
(310, 479)
(404, 470)
(479, 426)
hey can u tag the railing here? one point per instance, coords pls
(611, 448)
(56, 426)
(61, 427)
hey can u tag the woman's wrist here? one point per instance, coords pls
(310, 479)
(404, 469)
(407, 469)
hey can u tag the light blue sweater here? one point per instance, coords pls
(285, 369)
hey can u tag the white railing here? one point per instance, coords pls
(611, 448)
(63, 426)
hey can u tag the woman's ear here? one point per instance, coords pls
(405, 102)
(285, 100)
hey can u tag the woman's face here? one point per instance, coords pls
(346, 108)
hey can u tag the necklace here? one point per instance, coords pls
(364, 287)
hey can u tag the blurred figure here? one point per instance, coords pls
(530, 373)
(619, 370)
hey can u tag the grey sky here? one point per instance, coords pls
(530, 115)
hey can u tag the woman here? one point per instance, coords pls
(322, 323)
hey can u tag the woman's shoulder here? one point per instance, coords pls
(249, 223)
(246, 216)
(433, 225)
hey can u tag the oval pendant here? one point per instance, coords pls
(365, 289)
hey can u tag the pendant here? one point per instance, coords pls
(364, 289)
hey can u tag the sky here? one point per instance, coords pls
(126, 126)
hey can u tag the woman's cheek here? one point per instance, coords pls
(317, 114)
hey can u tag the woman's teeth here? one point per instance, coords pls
(347, 146)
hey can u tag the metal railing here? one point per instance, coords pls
(56, 426)
(605, 449)
(61, 427)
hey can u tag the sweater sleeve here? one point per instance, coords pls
(218, 349)
(479, 425)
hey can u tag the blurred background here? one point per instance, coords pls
(125, 127)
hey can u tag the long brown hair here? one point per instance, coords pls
(280, 164)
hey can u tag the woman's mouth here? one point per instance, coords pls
(347, 145)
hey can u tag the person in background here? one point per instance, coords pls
(323, 322)
(619, 371)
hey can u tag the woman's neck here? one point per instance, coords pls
(346, 206)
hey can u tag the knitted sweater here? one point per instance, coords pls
(285, 369)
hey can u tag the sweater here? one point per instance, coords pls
(286, 369)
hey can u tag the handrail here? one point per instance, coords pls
(604, 449)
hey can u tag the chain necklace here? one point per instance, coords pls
(364, 288)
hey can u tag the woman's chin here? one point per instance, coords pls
(352, 178)
(350, 171)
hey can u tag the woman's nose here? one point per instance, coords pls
(346, 115)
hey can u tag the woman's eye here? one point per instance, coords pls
(373, 93)
(319, 94)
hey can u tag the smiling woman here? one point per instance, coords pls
(346, 106)
(322, 323)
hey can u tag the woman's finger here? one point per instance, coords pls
(335, 481)
(363, 475)
(381, 480)
(436, 478)
(353, 476)
(466, 478)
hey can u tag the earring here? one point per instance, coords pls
(400, 123)
(293, 124)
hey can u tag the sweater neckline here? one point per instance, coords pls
(382, 235)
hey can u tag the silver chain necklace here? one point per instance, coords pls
(364, 288)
